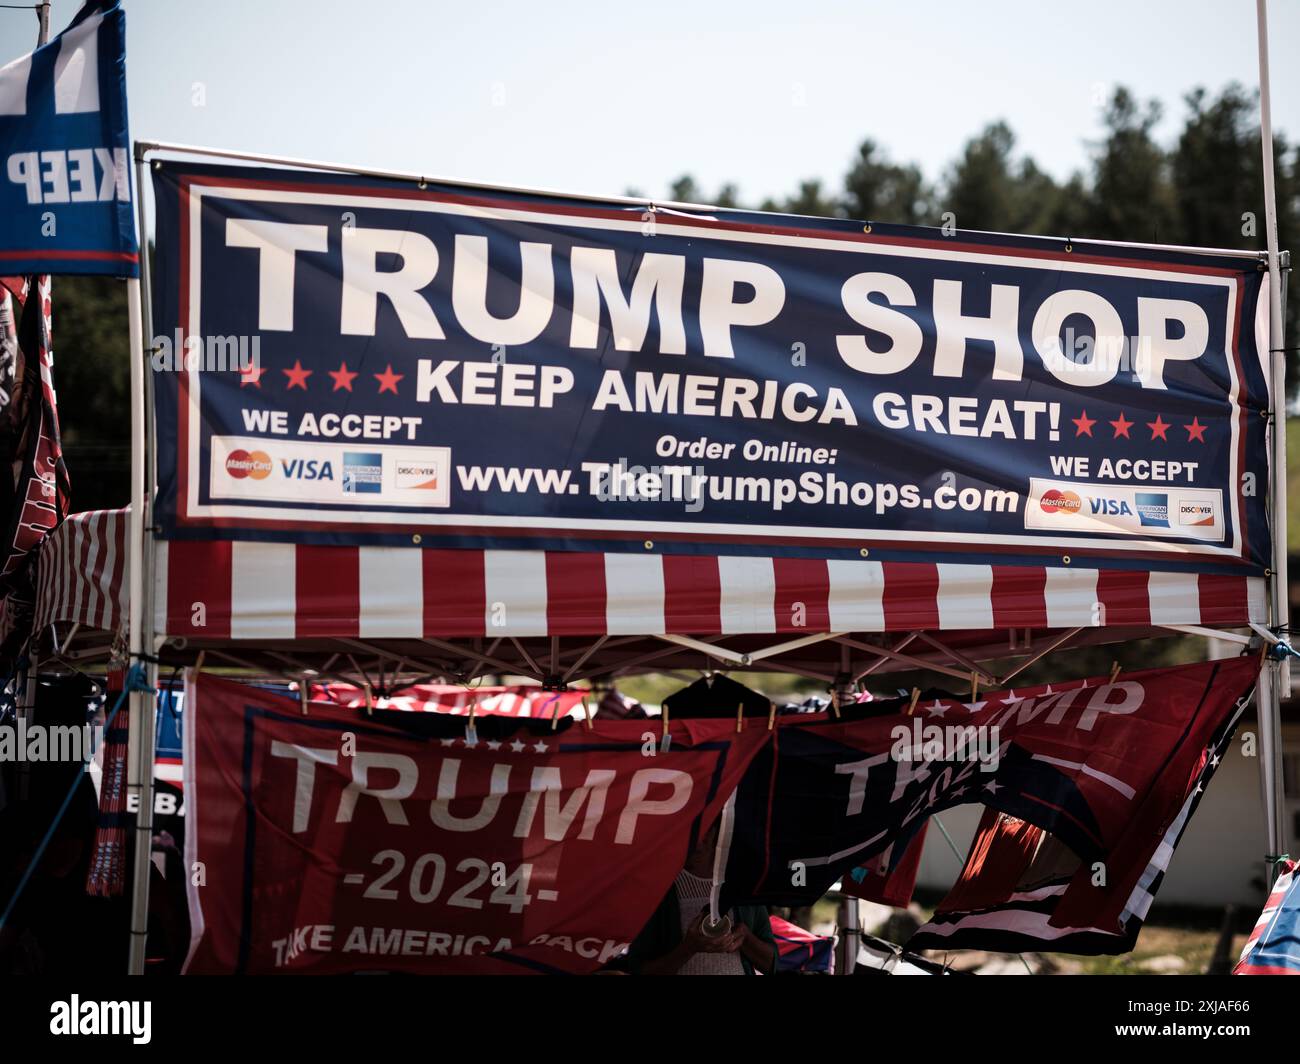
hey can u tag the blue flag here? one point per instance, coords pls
(65, 187)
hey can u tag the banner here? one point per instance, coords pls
(346, 359)
(337, 842)
(1105, 767)
(65, 187)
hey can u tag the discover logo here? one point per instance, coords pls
(102, 1017)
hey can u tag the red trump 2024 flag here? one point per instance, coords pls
(336, 842)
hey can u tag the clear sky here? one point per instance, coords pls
(605, 96)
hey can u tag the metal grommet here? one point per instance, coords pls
(864, 552)
(416, 538)
(1268, 572)
(423, 183)
(157, 164)
(1069, 248)
(649, 544)
(1065, 559)
(867, 228)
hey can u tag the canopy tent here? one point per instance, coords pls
(457, 609)
(562, 617)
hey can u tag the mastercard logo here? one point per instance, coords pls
(255, 464)
(1060, 502)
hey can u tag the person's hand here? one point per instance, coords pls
(697, 941)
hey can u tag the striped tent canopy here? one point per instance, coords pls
(560, 617)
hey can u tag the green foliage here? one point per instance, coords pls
(91, 378)
(877, 189)
(1204, 189)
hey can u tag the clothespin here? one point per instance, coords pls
(740, 717)
(1114, 671)
(370, 700)
(771, 715)
(471, 733)
(916, 696)
(835, 704)
(586, 712)
(555, 713)
(304, 694)
(198, 662)
(665, 740)
(974, 686)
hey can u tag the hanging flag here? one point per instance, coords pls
(801, 951)
(1274, 946)
(890, 877)
(1022, 890)
(106, 876)
(506, 701)
(1105, 767)
(34, 487)
(338, 842)
(65, 175)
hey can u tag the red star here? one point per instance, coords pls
(297, 375)
(388, 379)
(1083, 424)
(1195, 431)
(252, 375)
(342, 378)
(1121, 427)
(1158, 428)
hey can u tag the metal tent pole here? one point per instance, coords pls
(27, 707)
(1275, 677)
(143, 703)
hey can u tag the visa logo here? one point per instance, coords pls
(306, 469)
(1113, 507)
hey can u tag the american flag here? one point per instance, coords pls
(1274, 946)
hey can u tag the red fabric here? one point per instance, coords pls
(999, 856)
(692, 594)
(334, 608)
(512, 701)
(886, 887)
(803, 588)
(1018, 597)
(335, 843)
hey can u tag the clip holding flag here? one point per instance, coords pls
(471, 732)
